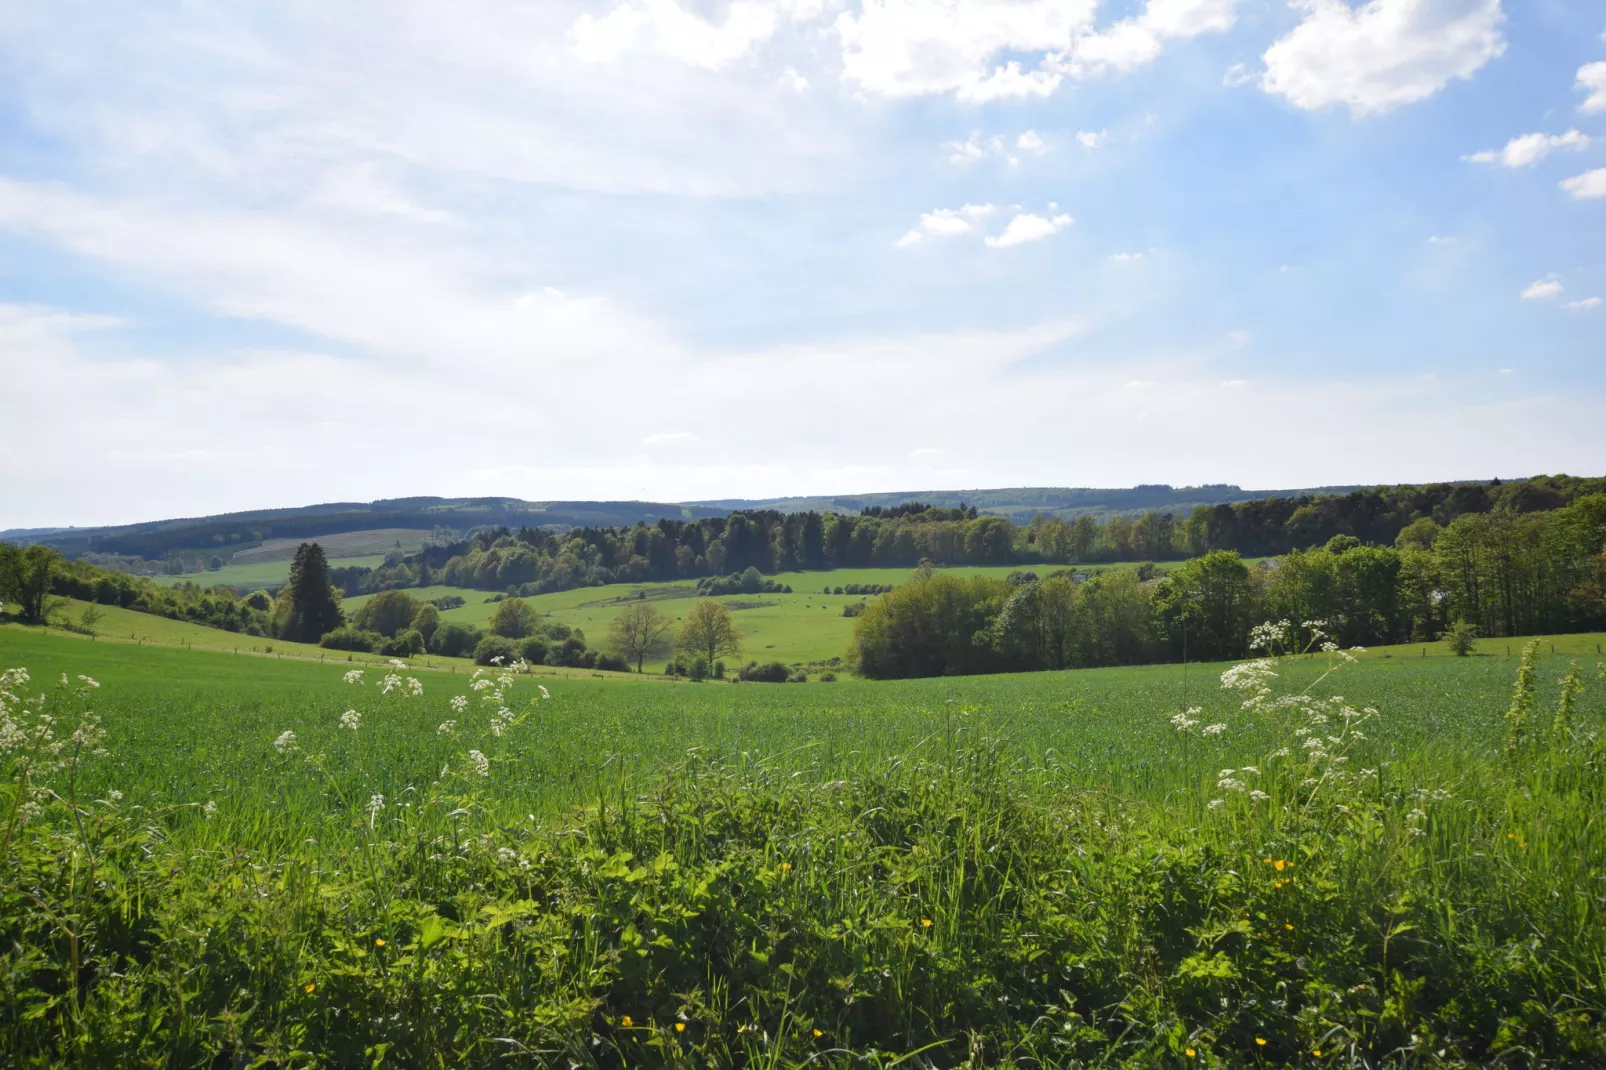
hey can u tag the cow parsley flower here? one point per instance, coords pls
(481, 764)
(446, 728)
(1212, 729)
(351, 719)
(286, 742)
(353, 677)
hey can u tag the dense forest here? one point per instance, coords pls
(535, 561)
(1495, 574)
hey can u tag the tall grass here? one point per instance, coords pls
(1416, 896)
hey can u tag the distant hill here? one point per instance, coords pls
(227, 533)
(1023, 503)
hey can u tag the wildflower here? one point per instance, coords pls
(1258, 795)
(446, 728)
(1260, 1041)
(818, 1033)
(1183, 722)
(414, 686)
(310, 988)
(285, 743)
(459, 703)
(392, 681)
(786, 867)
(1189, 1052)
(1279, 865)
(379, 941)
(498, 660)
(376, 803)
(1289, 926)
(1317, 1051)
(925, 923)
(353, 677)
(627, 1021)
(351, 719)
(543, 690)
(482, 764)
(1213, 729)
(481, 685)
(680, 1027)
(1216, 804)
(88, 681)
(210, 810)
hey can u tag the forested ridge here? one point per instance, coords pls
(535, 561)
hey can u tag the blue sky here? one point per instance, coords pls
(678, 249)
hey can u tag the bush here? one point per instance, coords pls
(699, 669)
(496, 646)
(408, 643)
(1461, 637)
(454, 640)
(387, 612)
(798, 677)
(612, 663)
(828, 678)
(447, 601)
(719, 670)
(351, 637)
(773, 673)
(533, 650)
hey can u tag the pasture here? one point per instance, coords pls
(268, 563)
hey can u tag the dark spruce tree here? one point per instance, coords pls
(314, 607)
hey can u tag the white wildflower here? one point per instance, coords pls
(114, 796)
(446, 728)
(392, 682)
(353, 677)
(1216, 804)
(459, 703)
(481, 764)
(285, 743)
(1213, 729)
(498, 660)
(543, 691)
(376, 803)
(481, 685)
(1258, 795)
(397, 663)
(351, 719)
(414, 686)
(88, 681)
(210, 810)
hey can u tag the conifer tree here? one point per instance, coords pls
(312, 606)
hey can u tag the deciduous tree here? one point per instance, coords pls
(640, 632)
(710, 632)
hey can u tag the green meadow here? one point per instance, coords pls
(254, 860)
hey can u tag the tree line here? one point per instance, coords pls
(535, 561)
(1496, 574)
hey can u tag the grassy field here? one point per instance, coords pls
(252, 574)
(273, 865)
(806, 626)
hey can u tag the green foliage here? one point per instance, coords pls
(1462, 638)
(387, 613)
(426, 620)
(514, 619)
(791, 906)
(496, 650)
(308, 606)
(25, 580)
(351, 637)
(454, 640)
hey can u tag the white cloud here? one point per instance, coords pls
(973, 149)
(1031, 141)
(1587, 186)
(1134, 42)
(1126, 258)
(669, 438)
(1382, 54)
(1583, 304)
(925, 452)
(1234, 383)
(948, 223)
(1238, 74)
(1027, 227)
(794, 81)
(1592, 79)
(664, 27)
(1091, 139)
(1543, 290)
(1529, 149)
(1440, 239)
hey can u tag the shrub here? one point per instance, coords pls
(514, 619)
(447, 601)
(496, 646)
(351, 637)
(387, 612)
(828, 678)
(719, 670)
(454, 640)
(773, 673)
(612, 663)
(699, 669)
(798, 677)
(409, 642)
(533, 650)
(1462, 637)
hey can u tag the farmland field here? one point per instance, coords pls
(1038, 867)
(805, 626)
(268, 564)
(254, 574)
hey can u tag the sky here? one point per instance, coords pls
(262, 255)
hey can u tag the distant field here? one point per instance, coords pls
(345, 544)
(258, 573)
